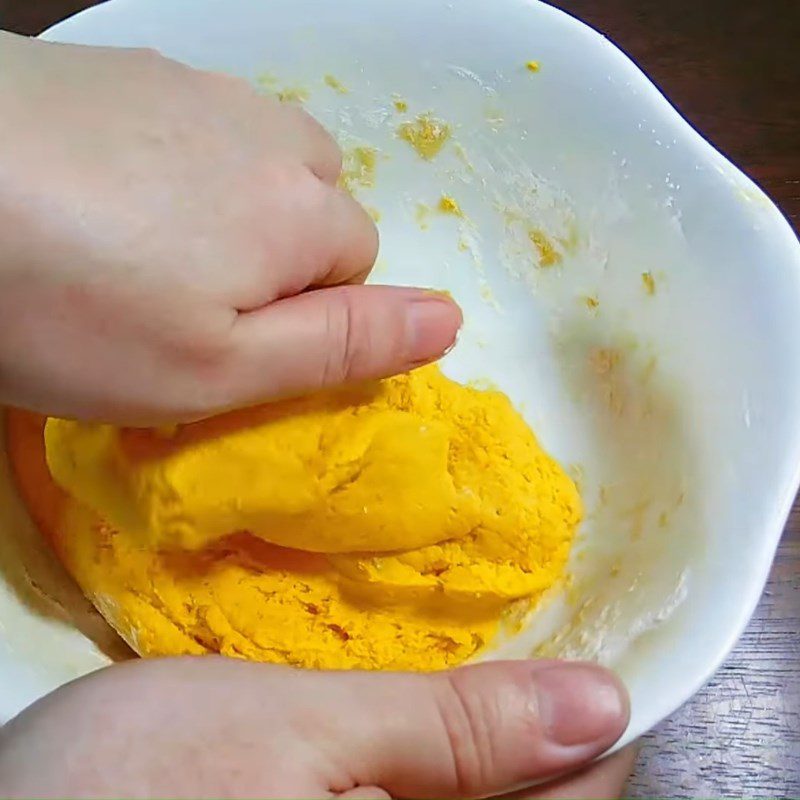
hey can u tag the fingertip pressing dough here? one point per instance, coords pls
(387, 526)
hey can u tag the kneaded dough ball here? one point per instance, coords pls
(388, 526)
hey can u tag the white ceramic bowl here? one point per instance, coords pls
(679, 411)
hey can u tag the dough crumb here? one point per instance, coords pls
(427, 135)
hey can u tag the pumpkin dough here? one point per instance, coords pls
(387, 526)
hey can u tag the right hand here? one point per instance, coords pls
(160, 228)
(214, 727)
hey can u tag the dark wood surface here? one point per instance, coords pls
(733, 70)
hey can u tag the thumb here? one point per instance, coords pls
(480, 730)
(337, 335)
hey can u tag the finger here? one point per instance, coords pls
(296, 130)
(352, 240)
(480, 730)
(334, 336)
(322, 154)
(327, 238)
(603, 780)
(300, 134)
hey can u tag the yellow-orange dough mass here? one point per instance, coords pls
(385, 526)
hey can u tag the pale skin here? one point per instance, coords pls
(172, 245)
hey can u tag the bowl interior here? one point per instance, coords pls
(658, 359)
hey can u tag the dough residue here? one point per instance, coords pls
(426, 134)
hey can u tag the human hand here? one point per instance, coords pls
(213, 727)
(159, 228)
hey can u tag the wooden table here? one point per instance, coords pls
(733, 69)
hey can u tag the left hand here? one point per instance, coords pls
(215, 727)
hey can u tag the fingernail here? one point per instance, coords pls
(580, 704)
(433, 322)
(440, 293)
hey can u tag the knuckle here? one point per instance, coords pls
(334, 158)
(468, 719)
(328, 154)
(231, 88)
(294, 184)
(146, 54)
(154, 66)
(371, 235)
(348, 354)
(149, 59)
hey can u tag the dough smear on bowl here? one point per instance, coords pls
(385, 526)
